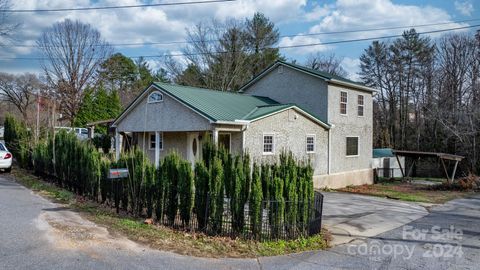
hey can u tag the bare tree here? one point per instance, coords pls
(20, 91)
(74, 51)
(327, 63)
(6, 25)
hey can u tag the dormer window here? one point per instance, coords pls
(155, 97)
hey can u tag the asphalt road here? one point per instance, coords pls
(37, 234)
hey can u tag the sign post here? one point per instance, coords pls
(116, 176)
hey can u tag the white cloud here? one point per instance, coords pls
(139, 25)
(464, 7)
(352, 66)
(364, 14)
(300, 40)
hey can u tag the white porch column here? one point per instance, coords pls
(157, 149)
(215, 136)
(118, 145)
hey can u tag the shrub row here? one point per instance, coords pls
(222, 194)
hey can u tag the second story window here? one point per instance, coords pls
(360, 105)
(343, 102)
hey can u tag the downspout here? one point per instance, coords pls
(243, 138)
(329, 160)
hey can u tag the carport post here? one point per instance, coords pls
(215, 136)
(157, 149)
(400, 165)
(118, 145)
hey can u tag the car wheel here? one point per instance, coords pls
(7, 170)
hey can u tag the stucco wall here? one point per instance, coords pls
(350, 125)
(289, 133)
(292, 86)
(169, 115)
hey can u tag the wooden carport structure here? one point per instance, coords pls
(416, 155)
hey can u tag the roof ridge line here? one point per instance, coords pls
(203, 88)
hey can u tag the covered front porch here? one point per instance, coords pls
(156, 144)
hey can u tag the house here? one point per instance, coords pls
(322, 118)
(386, 163)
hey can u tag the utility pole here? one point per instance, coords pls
(37, 128)
(53, 144)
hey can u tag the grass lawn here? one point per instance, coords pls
(163, 238)
(406, 191)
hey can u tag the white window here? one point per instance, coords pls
(352, 146)
(343, 102)
(310, 143)
(268, 144)
(360, 105)
(152, 141)
(155, 97)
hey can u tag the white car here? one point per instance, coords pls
(5, 158)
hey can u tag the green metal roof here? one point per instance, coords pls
(227, 106)
(265, 110)
(323, 74)
(216, 105)
(382, 152)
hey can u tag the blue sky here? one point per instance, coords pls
(159, 24)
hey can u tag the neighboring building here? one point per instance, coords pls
(2, 132)
(320, 117)
(386, 163)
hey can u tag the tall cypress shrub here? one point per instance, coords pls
(160, 187)
(255, 203)
(150, 179)
(238, 197)
(171, 163)
(247, 175)
(201, 190)
(186, 191)
(278, 208)
(216, 196)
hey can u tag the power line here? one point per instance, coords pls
(112, 7)
(277, 47)
(281, 36)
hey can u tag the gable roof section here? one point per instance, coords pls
(218, 106)
(267, 110)
(317, 73)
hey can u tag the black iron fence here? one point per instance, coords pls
(278, 220)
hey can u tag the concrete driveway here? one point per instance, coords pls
(350, 216)
(38, 234)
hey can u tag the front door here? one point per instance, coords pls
(224, 141)
(192, 147)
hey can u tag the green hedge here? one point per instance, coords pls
(175, 193)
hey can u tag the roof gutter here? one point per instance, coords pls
(353, 85)
(236, 122)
